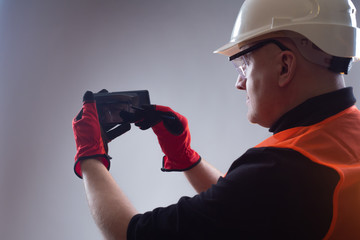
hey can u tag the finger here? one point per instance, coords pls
(103, 91)
(143, 125)
(148, 106)
(114, 133)
(88, 97)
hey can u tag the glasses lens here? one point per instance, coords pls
(240, 64)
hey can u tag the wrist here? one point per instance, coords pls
(93, 161)
(90, 164)
(180, 165)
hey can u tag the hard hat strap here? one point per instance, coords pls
(340, 65)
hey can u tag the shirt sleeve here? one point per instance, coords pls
(264, 195)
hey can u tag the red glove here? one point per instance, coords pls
(173, 134)
(88, 135)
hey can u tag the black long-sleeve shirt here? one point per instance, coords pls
(267, 193)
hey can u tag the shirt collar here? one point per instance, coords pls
(315, 110)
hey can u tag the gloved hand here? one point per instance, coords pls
(173, 134)
(89, 135)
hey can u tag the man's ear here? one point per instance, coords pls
(288, 67)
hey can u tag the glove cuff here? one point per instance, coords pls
(105, 159)
(172, 166)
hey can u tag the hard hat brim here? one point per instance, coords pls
(317, 32)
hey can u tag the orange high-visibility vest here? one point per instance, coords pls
(335, 143)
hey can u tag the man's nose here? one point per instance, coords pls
(241, 82)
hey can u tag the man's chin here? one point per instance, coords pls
(254, 120)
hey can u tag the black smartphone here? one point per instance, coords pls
(110, 105)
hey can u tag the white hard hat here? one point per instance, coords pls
(329, 24)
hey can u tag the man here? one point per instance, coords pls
(301, 183)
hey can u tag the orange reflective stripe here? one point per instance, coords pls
(334, 142)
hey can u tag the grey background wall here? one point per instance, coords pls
(52, 51)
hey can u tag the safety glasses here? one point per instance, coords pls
(241, 62)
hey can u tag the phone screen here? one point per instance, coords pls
(110, 105)
(110, 113)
